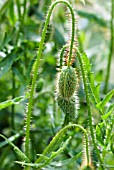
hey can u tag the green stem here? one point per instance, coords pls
(13, 96)
(18, 8)
(58, 136)
(111, 48)
(24, 11)
(37, 63)
(21, 19)
(13, 75)
(89, 109)
(61, 55)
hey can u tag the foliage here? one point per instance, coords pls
(71, 128)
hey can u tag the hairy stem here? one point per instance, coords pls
(59, 136)
(111, 48)
(89, 109)
(61, 55)
(37, 63)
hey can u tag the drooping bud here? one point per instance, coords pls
(67, 82)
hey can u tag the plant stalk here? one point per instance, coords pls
(37, 63)
(89, 109)
(58, 136)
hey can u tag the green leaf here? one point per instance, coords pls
(7, 38)
(104, 117)
(18, 8)
(64, 145)
(93, 17)
(11, 12)
(4, 7)
(98, 133)
(95, 89)
(11, 139)
(97, 92)
(16, 100)
(21, 155)
(48, 160)
(34, 165)
(6, 63)
(86, 63)
(55, 164)
(66, 162)
(112, 143)
(18, 73)
(106, 99)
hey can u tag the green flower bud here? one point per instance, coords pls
(67, 82)
(68, 107)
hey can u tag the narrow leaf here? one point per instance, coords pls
(106, 99)
(86, 62)
(21, 155)
(66, 162)
(6, 63)
(7, 103)
(11, 139)
(104, 117)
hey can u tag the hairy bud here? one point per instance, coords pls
(67, 82)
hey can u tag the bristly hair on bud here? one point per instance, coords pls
(67, 82)
(67, 98)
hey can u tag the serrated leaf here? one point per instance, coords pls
(86, 62)
(106, 99)
(21, 155)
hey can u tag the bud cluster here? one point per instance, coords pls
(67, 85)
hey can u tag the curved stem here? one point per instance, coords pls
(58, 136)
(61, 55)
(37, 63)
(88, 106)
(111, 48)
